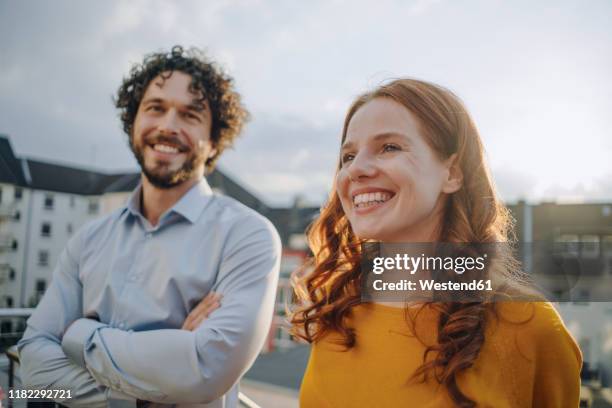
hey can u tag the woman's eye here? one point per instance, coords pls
(347, 157)
(390, 147)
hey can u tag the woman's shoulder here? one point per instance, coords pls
(537, 329)
(536, 317)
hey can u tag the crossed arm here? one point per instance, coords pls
(98, 362)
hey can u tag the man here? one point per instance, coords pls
(167, 300)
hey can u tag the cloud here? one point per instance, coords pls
(283, 156)
(535, 79)
(513, 185)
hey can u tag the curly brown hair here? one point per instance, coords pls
(207, 79)
(473, 214)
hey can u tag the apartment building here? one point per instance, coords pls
(580, 236)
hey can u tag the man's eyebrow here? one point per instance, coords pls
(153, 100)
(194, 106)
(197, 106)
(378, 138)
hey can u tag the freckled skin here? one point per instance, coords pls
(385, 149)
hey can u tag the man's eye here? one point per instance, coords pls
(390, 147)
(192, 116)
(155, 108)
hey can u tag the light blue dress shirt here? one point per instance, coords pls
(142, 282)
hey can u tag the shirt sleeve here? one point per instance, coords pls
(558, 362)
(179, 366)
(43, 364)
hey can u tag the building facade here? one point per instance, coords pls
(579, 264)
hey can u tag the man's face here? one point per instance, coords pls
(171, 132)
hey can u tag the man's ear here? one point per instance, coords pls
(454, 179)
(213, 152)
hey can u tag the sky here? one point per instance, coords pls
(534, 75)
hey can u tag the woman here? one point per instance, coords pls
(412, 170)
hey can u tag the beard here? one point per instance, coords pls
(159, 174)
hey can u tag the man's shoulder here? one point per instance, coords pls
(229, 210)
(94, 226)
(238, 223)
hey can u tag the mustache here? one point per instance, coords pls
(170, 140)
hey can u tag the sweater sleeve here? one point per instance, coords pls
(558, 361)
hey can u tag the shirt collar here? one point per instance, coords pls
(190, 205)
(193, 202)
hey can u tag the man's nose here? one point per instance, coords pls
(169, 123)
(362, 166)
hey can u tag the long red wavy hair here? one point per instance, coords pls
(473, 214)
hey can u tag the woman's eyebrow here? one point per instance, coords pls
(378, 138)
(391, 135)
(346, 146)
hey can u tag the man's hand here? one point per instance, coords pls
(206, 306)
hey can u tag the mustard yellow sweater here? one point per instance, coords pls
(528, 359)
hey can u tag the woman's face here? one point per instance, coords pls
(391, 183)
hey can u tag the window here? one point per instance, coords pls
(18, 193)
(0, 195)
(12, 274)
(606, 245)
(14, 245)
(43, 258)
(17, 216)
(69, 229)
(45, 229)
(6, 326)
(93, 206)
(48, 202)
(41, 286)
(590, 246)
(9, 301)
(567, 245)
(582, 298)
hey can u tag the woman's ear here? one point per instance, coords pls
(454, 179)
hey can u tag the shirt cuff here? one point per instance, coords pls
(117, 399)
(76, 337)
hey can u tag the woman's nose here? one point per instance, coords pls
(362, 166)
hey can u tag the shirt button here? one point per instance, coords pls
(148, 235)
(121, 325)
